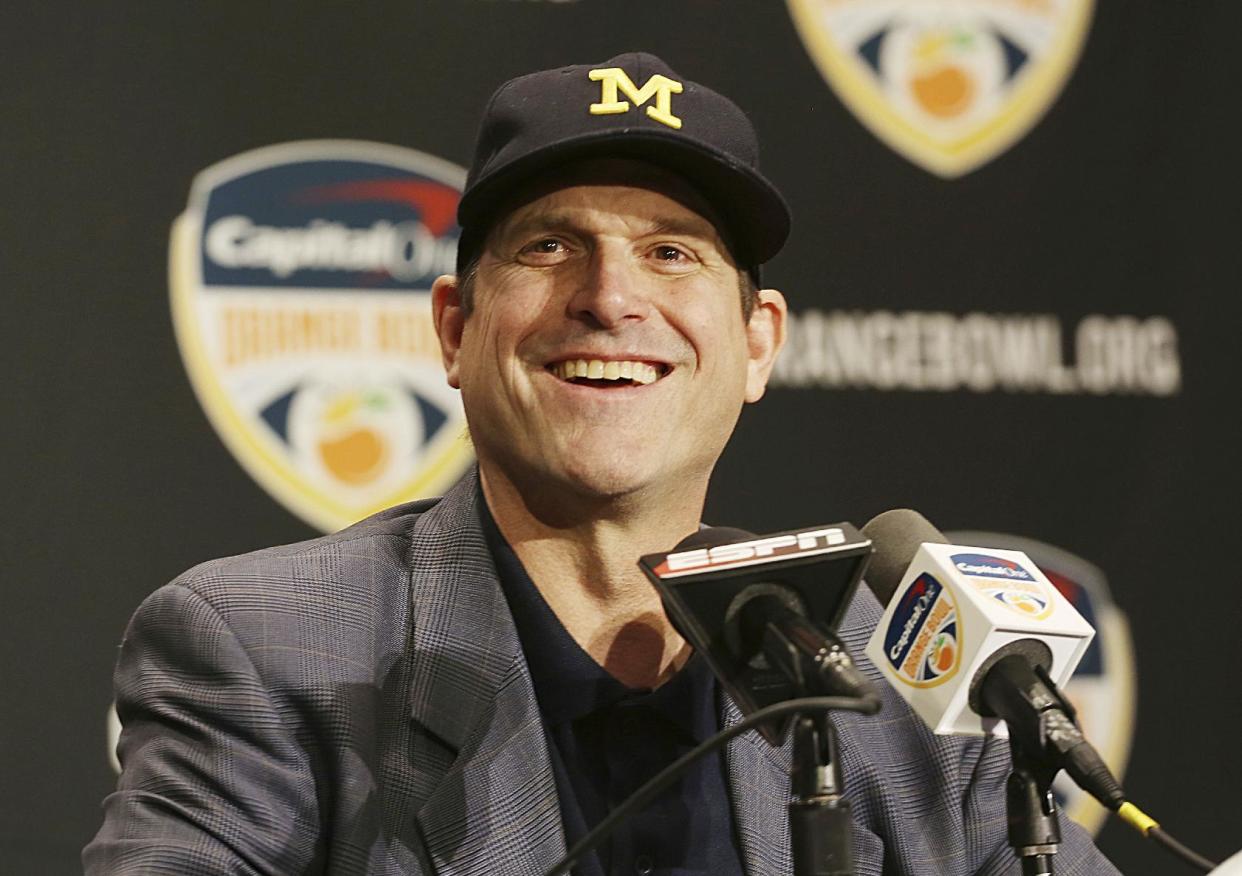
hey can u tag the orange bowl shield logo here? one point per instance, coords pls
(949, 84)
(923, 641)
(300, 277)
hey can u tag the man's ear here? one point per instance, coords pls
(765, 335)
(450, 320)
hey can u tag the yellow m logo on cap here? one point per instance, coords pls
(614, 79)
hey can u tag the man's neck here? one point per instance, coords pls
(582, 555)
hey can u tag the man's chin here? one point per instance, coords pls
(584, 486)
(570, 484)
(603, 481)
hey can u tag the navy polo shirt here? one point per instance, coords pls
(606, 740)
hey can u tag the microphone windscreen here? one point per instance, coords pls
(896, 536)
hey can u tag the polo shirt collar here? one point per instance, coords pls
(568, 683)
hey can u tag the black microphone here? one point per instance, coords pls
(766, 625)
(763, 610)
(1011, 679)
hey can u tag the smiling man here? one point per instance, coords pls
(602, 372)
(465, 685)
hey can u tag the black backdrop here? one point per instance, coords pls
(1121, 201)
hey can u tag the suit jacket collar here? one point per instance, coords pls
(495, 810)
(459, 618)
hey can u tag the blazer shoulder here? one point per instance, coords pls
(371, 550)
(315, 615)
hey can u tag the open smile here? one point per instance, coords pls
(609, 372)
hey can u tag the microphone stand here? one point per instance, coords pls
(815, 662)
(819, 817)
(1031, 810)
(1041, 733)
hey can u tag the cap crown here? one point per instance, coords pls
(631, 106)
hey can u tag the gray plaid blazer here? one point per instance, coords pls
(360, 704)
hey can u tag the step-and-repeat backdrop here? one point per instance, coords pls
(1012, 278)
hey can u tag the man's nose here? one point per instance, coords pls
(611, 292)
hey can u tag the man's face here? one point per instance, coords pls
(606, 352)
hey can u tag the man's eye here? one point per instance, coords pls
(543, 251)
(669, 254)
(548, 245)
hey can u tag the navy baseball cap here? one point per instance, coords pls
(631, 106)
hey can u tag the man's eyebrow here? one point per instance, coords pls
(687, 228)
(567, 220)
(543, 221)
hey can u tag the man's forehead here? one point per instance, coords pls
(600, 184)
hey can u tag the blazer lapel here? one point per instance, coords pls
(495, 810)
(759, 792)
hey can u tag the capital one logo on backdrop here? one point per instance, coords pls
(300, 278)
(949, 84)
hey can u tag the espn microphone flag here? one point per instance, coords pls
(955, 607)
(706, 584)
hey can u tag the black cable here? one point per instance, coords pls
(1190, 856)
(1150, 828)
(868, 705)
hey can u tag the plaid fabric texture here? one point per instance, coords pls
(359, 704)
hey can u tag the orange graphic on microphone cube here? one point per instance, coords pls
(921, 642)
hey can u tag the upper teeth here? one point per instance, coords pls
(598, 369)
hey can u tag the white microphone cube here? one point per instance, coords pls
(955, 607)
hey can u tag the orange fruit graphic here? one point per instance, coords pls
(944, 658)
(945, 93)
(355, 457)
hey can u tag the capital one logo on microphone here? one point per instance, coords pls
(921, 643)
(1005, 581)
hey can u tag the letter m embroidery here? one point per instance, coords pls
(614, 79)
